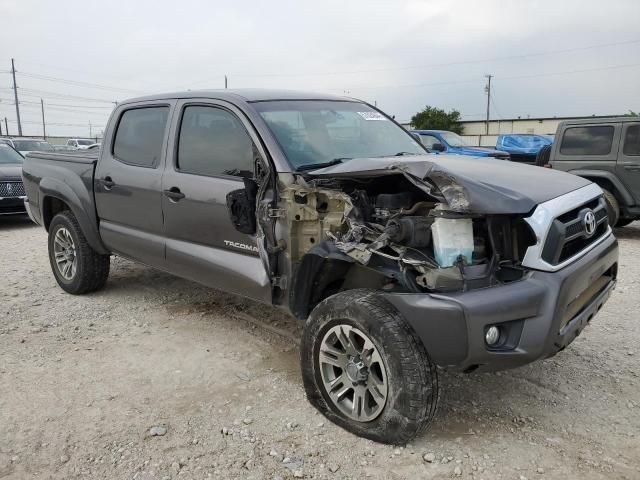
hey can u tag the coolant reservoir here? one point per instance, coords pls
(452, 238)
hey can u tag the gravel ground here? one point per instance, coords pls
(159, 378)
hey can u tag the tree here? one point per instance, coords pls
(432, 118)
(632, 114)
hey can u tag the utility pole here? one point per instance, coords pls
(90, 129)
(15, 94)
(488, 90)
(0, 129)
(225, 81)
(44, 125)
(6, 127)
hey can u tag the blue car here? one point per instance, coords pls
(442, 141)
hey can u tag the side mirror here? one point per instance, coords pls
(242, 207)
(438, 147)
(416, 137)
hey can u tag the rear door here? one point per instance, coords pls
(128, 182)
(213, 148)
(587, 147)
(629, 159)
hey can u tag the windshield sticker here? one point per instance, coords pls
(371, 116)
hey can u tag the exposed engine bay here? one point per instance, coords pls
(384, 232)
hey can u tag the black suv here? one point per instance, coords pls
(607, 152)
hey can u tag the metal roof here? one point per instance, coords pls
(243, 94)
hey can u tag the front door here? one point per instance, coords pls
(210, 155)
(629, 159)
(128, 180)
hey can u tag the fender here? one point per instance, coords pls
(81, 205)
(621, 191)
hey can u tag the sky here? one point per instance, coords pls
(547, 58)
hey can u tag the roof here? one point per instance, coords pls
(244, 94)
(584, 117)
(430, 130)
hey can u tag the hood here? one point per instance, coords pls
(10, 170)
(477, 151)
(480, 185)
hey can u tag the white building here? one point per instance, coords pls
(475, 130)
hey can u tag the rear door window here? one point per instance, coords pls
(140, 136)
(632, 141)
(590, 140)
(214, 142)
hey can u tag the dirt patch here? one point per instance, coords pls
(84, 379)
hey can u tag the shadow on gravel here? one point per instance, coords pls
(15, 222)
(631, 231)
(465, 400)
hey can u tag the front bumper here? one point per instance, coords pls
(544, 313)
(12, 205)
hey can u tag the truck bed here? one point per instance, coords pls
(51, 177)
(79, 156)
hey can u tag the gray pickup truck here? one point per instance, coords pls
(397, 260)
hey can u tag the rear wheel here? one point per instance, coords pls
(365, 369)
(623, 222)
(77, 267)
(613, 207)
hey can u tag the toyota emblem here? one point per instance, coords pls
(9, 189)
(589, 222)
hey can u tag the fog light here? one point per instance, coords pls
(492, 336)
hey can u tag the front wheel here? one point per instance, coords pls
(77, 267)
(365, 369)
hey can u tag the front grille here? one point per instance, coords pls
(568, 236)
(11, 189)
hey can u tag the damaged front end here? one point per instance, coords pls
(394, 231)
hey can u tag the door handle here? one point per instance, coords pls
(107, 183)
(174, 194)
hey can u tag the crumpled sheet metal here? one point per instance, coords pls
(467, 185)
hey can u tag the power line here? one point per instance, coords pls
(76, 83)
(432, 65)
(513, 77)
(38, 93)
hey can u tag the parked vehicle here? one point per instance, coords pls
(607, 152)
(80, 143)
(26, 145)
(522, 148)
(397, 260)
(11, 188)
(442, 141)
(64, 148)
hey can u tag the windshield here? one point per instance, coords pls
(315, 131)
(9, 155)
(86, 142)
(32, 145)
(454, 140)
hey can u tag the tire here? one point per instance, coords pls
(613, 207)
(623, 222)
(79, 268)
(542, 158)
(411, 379)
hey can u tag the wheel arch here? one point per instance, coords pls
(56, 197)
(607, 181)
